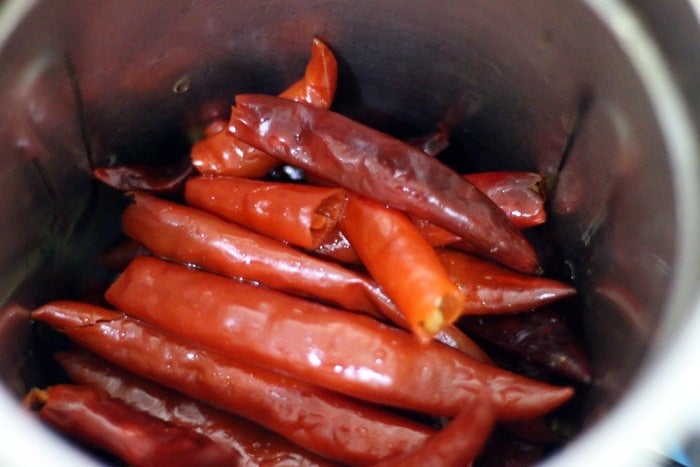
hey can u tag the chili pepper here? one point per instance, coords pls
(378, 166)
(346, 352)
(90, 416)
(457, 444)
(224, 154)
(192, 236)
(255, 445)
(155, 179)
(403, 263)
(320, 80)
(521, 195)
(319, 420)
(542, 337)
(491, 288)
(298, 214)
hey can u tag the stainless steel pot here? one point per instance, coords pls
(600, 95)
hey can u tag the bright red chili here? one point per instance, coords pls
(192, 236)
(347, 352)
(255, 445)
(317, 419)
(302, 215)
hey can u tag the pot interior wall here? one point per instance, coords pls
(525, 84)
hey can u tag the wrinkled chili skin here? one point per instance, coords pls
(255, 445)
(90, 416)
(380, 167)
(346, 352)
(321, 421)
(192, 236)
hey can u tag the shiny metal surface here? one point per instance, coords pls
(599, 95)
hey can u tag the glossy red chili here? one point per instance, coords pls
(192, 236)
(346, 352)
(255, 445)
(378, 166)
(490, 288)
(319, 420)
(90, 416)
(302, 215)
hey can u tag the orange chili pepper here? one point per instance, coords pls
(224, 154)
(403, 263)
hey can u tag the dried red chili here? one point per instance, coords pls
(319, 420)
(255, 445)
(346, 352)
(90, 416)
(224, 154)
(191, 236)
(302, 215)
(375, 165)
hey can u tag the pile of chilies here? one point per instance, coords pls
(320, 313)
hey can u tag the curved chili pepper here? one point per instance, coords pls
(224, 154)
(542, 337)
(319, 420)
(457, 444)
(520, 194)
(192, 236)
(490, 288)
(298, 214)
(347, 352)
(320, 80)
(90, 416)
(378, 166)
(386, 240)
(255, 445)
(155, 179)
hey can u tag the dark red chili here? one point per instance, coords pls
(373, 164)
